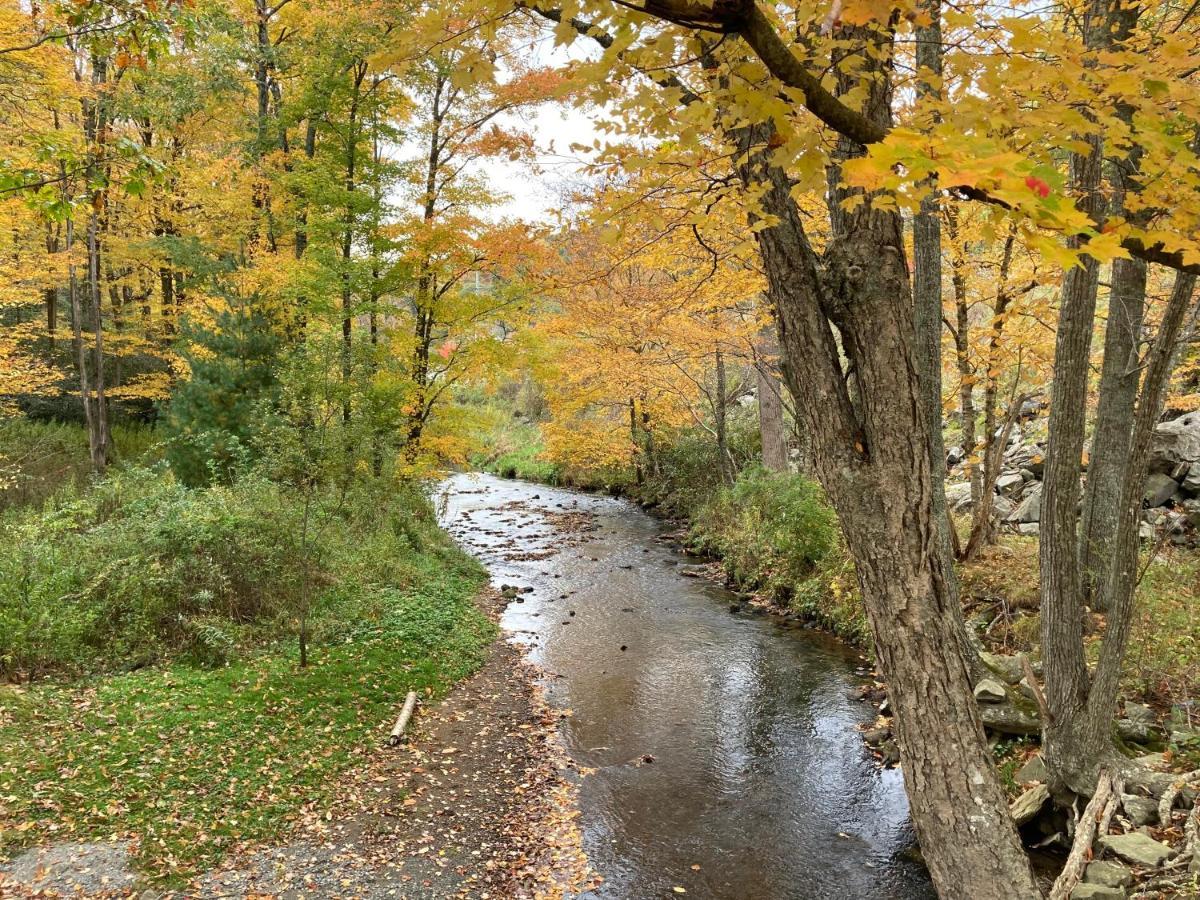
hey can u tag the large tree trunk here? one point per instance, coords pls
(770, 403)
(875, 467)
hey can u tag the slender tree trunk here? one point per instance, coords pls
(770, 403)
(639, 472)
(1119, 377)
(983, 528)
(81, 353)
(359, 72)
(720, 421)
(95, 112)
(1109, 457)
(1075, 742)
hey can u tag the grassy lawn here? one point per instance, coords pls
(190, 761)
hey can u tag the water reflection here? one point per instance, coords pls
(720, 741)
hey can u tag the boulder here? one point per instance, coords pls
(1029, 804)
(1009, 482)
(1160, 489)
(1007, 667)
(954, 456)
(1109, 874)
(1191, 481)
(1002, 507)
(1141, 810)
(1133, 732)
(958, 496)
(1030, 508)
(1176, 445)
(1033, 770)
(989, 690)
(1007, 718)
(1029, 528)
(1097, 892)
(1137, 849)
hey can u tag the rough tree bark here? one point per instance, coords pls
(876, 472)
(1119, 377)
(770, 403)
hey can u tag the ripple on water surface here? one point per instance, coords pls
(758, 775)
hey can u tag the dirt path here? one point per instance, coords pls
(479, 803)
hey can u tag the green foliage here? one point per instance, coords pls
(142, 569)
(225, 739)
(777, 537)
(39, 458)
(193, 761)
(687, 472)
(217, 412)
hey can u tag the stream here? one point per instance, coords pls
(724, 746)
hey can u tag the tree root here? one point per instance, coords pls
(1093, 823)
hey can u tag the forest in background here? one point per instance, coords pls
(821, 252)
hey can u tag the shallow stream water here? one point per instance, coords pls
(720, 740)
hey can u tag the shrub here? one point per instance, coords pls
(141, 569)
(778, 537)
(38, 458)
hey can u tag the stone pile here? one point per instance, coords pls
(1171, 500)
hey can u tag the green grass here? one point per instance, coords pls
(191, 761)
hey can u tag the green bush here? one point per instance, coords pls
(142, 569)
(687, 471)
(38, 458)
(777, 537)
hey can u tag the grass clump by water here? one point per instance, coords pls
(159, 623)
(777, 536)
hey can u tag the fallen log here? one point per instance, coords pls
(410, 703)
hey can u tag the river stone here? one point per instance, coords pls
(1137, 849)
(1141, 810)
(1160, 488)
(989, 690)
(1033, 770)
(1097, 892)
(1107, 873)
(1007, 667)
(1029, 804)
